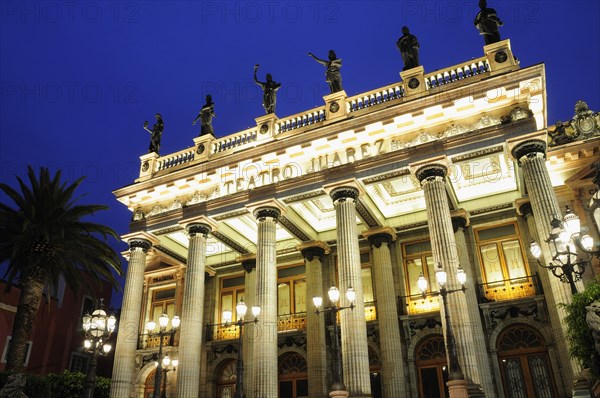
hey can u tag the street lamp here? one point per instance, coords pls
(565, 237)
(163, 322)
(455, 373)
(97, 329)
(334, 296)
(166, 361)
(241, 309)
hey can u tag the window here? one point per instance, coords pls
(291, 298)
(5, 352)
(418, 260)
(79, 363)
(232, 292)
(504, 270)
(162, 302)
(367, 284)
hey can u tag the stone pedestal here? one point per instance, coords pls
(413, 81)
(457, 389)
(335, 105)
(203, 146)
(339, 394)
(500, 57)
(266, 126)
(147, 167)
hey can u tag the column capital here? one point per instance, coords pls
(523, 206)
(343, 190)
(248, 262)
(530, 148)
(377, 236)
(140, 240)
(198, 228)
(313, 249)
(200, 224)
(266, 209)
(428, 171)
(460, 219)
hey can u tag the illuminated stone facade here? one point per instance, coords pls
(454, 167)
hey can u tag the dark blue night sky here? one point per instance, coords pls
(79, 78)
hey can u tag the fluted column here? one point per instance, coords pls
(249, 265)
(192, 311)
(355, 350)
(129, 321)
(531, 156)
(443, 245)
(265, 344)
(392, 358)
(315, 328)
(459, 224)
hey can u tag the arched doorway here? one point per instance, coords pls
(149, 385)
(375, 373)
(226, 380)
(293, 378)
(431, 362)
(524, 363)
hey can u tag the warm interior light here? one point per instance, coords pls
(334, 294)
(175, 322)
(163, 321)
(351, 295)
(422, 283)
(318, 301)
(535, 249)
(241, 309)
(255, 311)
(227, 316)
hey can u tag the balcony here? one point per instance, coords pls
(149, 341)
(417, 304)
(291, 322)
(509, 289)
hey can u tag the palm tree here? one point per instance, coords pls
(43, 238)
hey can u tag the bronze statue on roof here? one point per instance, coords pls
(333, 77)
(269, 89)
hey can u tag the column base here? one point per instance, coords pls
(339, 394)
(457, 389)
(475, 391)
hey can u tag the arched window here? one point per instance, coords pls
(293, 379)
(431, 361)
(149, 385)
(226, 380)
(524, 364)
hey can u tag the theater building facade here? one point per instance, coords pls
(456, 168)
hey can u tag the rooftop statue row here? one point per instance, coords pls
(486, 21)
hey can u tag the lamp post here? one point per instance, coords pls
(163, 322)
(97, 328)
(241, 309)
(564, 239)
(455, 372)
(334, 296)
(166, 361)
